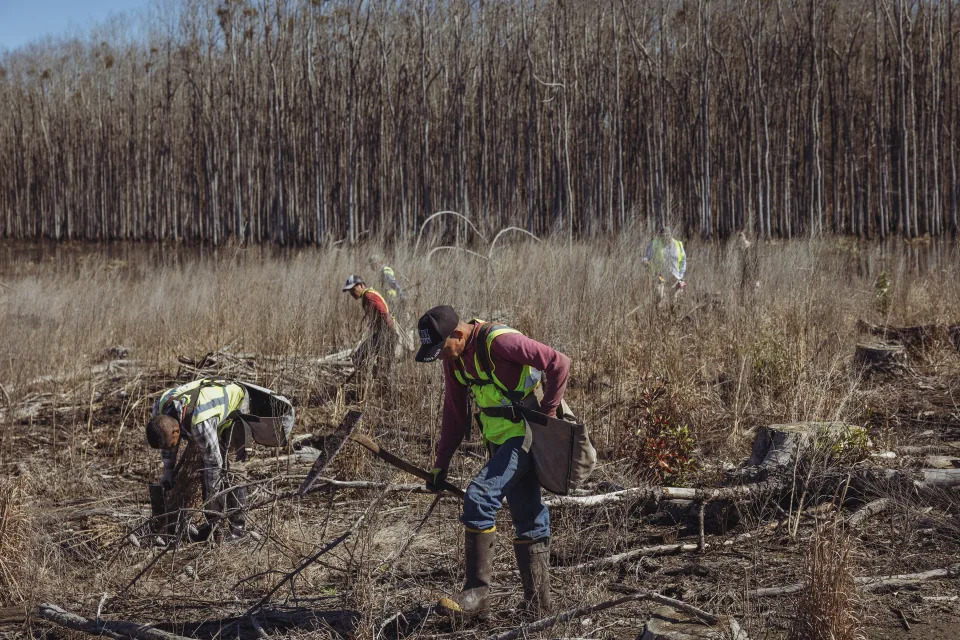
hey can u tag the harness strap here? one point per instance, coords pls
(486, 364)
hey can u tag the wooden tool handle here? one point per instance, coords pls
(402, 464)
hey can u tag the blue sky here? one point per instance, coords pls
(23, 21)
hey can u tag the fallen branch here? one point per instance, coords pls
(868, 583)
(814, 511)
(867, 511)
(923, 478)
(579, 612)
(665, 493)
(658, 550)
(116, 629)
(304, 455)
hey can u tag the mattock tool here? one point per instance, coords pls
(402, 464)
(331, 448)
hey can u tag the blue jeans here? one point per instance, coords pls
(508, 474)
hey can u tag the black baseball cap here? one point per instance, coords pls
(434, 327)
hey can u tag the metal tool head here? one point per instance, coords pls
(331, 448)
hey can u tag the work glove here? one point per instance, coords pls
(167, 479)
(438, 477)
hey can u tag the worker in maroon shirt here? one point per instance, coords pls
(376, 349)
(501, 369)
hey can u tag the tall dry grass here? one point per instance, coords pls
(13, 542)
(733, 354)
(827, 609)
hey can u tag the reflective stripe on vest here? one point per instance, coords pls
(679, 248)
(216, 399)
(488, 391)
(377, 293)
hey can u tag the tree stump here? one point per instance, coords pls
(669, 624)
(777, 446)
(879, 357)
(915, 338)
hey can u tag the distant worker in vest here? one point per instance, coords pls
(379, 330)
(500, 368)
(388, 283)
(204, 413)
(666, 257)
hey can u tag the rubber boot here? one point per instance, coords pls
(533, 560)
(473, 599)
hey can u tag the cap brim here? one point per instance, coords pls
(347, 288)
(429, 352)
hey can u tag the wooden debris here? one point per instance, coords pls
(879, 357)
(868, 583)
(303, 455)
(118, 630)
(867, 511)
(941, 462)
(777, 446)
(668, 623)
(874, 583)
(915, 338)
(616, 559)
(579, 612)
(639, 494)
(925, 478)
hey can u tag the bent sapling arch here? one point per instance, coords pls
(445, 213)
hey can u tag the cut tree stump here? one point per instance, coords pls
(915, 338)
(878, 357)
(777, 446)
(669, 624)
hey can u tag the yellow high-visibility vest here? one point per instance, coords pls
(214, 399)
(487, 390)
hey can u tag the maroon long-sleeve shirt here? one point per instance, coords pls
(509, 353)
(375, 308)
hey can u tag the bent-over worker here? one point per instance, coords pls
(204, 412)
(379, 325)
(499, 367)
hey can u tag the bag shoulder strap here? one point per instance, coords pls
(486, 363)
(483, 350)
(483, 356)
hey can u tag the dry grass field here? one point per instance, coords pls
(91, 336)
